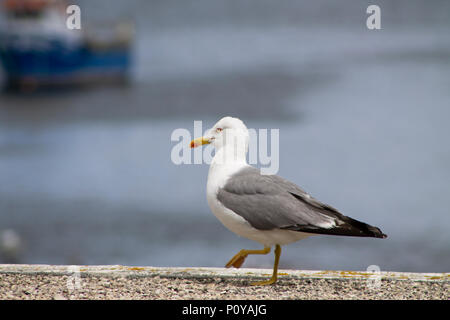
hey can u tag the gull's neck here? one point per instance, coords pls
(230, 155)
(227, 161)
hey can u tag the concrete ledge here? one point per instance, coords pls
(122, 282)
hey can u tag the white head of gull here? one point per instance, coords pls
(265, 208)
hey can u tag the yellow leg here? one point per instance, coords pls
(239, 258)
(275, 269)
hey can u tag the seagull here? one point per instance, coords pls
(265, 208)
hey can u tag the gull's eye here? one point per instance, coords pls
(219, 130)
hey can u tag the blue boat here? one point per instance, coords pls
(37, 48)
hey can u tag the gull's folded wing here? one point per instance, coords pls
(270, 202)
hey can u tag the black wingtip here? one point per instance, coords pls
(381, 236)
(357, 228)
(376, 232)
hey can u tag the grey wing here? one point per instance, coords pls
(271, 202)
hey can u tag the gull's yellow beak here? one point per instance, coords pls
(199, 141)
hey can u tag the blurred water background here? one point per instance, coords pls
(86, 175)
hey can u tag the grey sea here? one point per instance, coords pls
(86, 175)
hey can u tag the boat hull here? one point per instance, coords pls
(55, 63)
